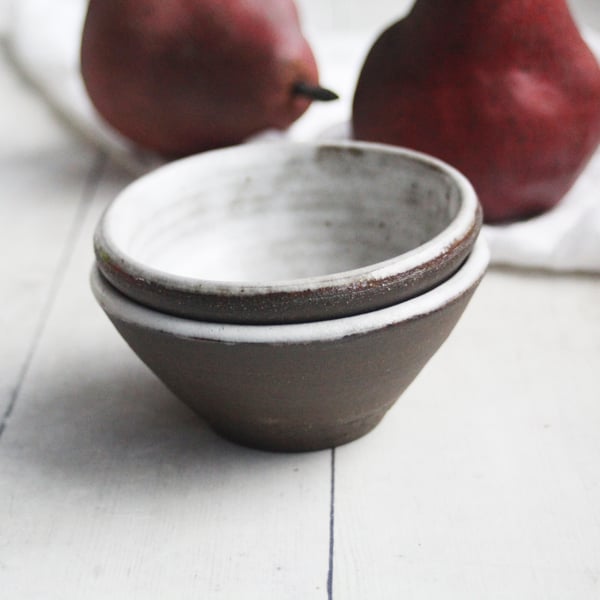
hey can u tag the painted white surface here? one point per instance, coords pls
(108, 486)
(38, 211)
(482, 482)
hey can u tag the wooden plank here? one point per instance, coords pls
(109, 487)
(44, 173)
(484, 480)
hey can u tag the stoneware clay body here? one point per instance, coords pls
(296, 387)
(507, 92)
(289, 293)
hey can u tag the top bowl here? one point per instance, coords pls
(288, 232)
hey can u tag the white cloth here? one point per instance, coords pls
(42, 38)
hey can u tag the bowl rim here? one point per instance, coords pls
(466, 222)
(116, 304)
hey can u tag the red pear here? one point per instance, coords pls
(508, 92)
(184, 76)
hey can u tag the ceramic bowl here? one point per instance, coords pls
(295, 387)
(288, 232)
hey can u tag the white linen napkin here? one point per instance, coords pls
(41, 37)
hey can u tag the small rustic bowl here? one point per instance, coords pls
(288, 232)
(295, 387)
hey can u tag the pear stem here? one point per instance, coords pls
(314, 92)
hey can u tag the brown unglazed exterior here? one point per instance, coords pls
(295, 397)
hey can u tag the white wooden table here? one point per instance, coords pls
(483, 482)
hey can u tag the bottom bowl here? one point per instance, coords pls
(295, 387)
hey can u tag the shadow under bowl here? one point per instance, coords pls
(288, 232)
(295, 387)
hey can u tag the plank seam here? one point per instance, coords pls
(331, 528)
(90, 186)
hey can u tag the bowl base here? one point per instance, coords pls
(274, 437)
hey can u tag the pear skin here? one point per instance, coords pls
(508, 92)
(184, 76)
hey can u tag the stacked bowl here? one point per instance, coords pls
(288, 292)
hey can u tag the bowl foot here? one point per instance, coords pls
(287, 437)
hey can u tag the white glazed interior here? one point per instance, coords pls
(280, 216)
(117, 305)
